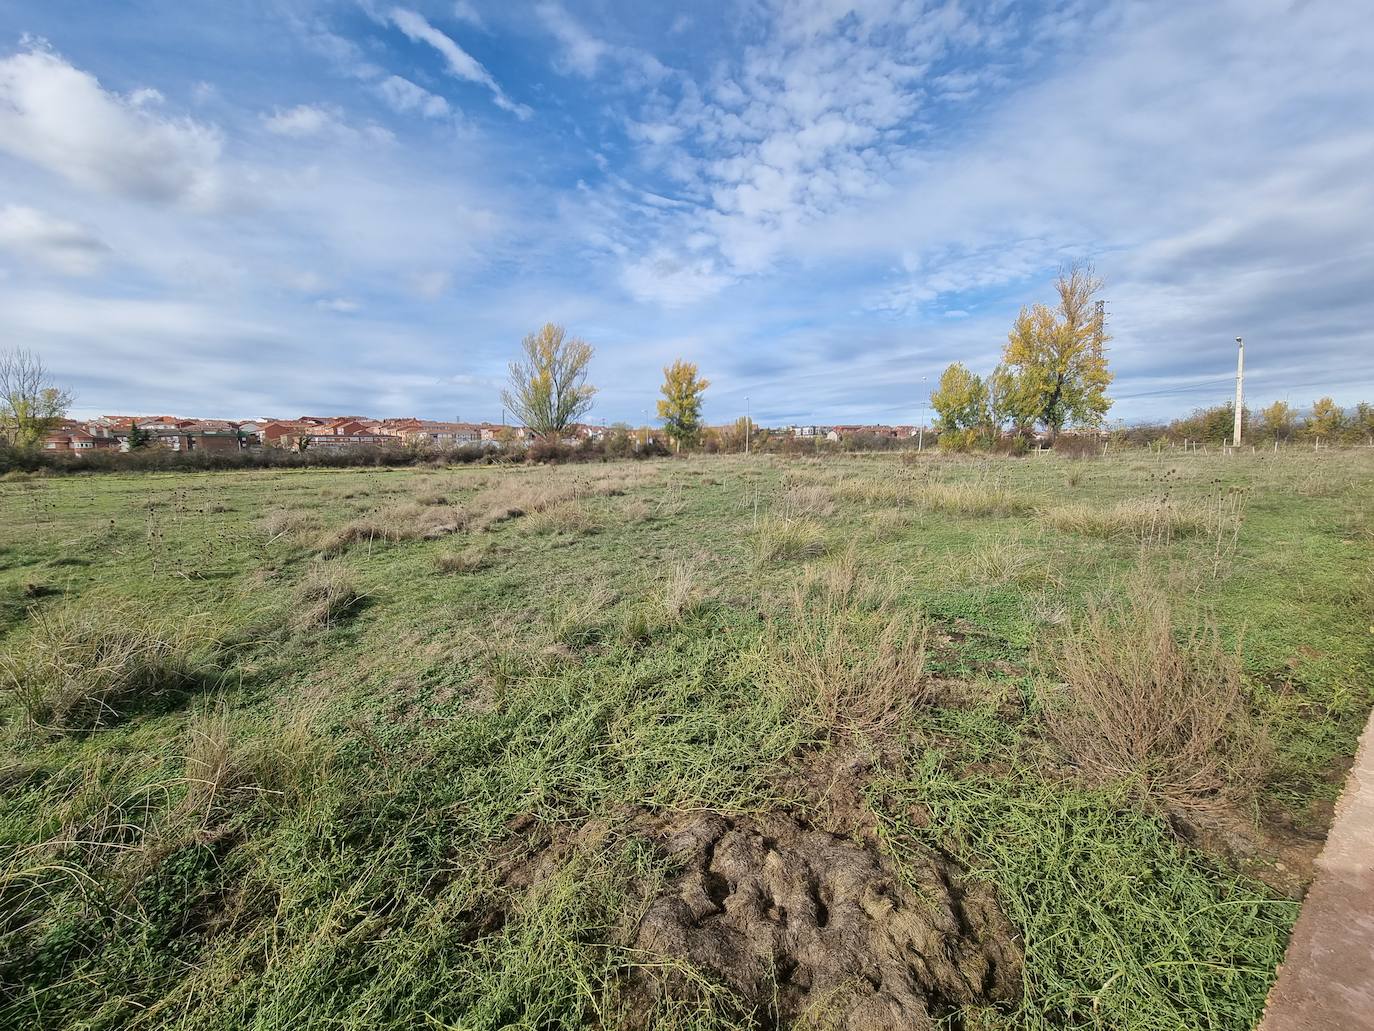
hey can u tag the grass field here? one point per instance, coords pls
(864, 742)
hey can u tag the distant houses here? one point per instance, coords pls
(172, 433)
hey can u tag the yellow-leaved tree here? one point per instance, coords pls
(1326, 420)
(31, 406)
(1277, 420)
(1054, 367)
(680, 408)
(961, 400)
(548, 389)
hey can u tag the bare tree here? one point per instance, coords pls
(548, 390)
(31, 406)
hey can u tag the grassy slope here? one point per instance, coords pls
(339, 876)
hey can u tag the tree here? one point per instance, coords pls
(680, 408)
(548, 390)
(1326, 420)
(733, 435)
(31, 407)
(1055, 360)
(1362, 423)
(1277, 420)
(961, 400)
(139, 438)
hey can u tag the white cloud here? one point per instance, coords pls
(430, 285)
(60, 118)
(341, 305)
(464, 11)
(460, 63)
(404, 96)
(62, 246)
(303, 121)
(583, 53)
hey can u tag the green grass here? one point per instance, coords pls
(305, 823)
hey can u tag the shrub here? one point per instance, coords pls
(1140, 704)
(777, 539)
(326, 594)
(84, 665)
(1077, 445)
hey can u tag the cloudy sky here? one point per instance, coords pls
(288, 206)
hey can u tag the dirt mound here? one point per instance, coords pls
(801, 923)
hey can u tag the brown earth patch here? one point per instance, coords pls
(805, 925)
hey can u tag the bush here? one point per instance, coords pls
(85, 665)
(1139, 704)
(1078, 445)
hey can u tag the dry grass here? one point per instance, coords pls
(403, 522)
(779, 539)
(850, 653)
(226, 769)
(682, 594)
(1002, 562)
(568, 517)
(513, 500)
(582, 621)
(289, 523)
(891, 522)
(81, 664)
(1146, 520)
(874, 491)
(469, 560)
(808, 499)
(636, 510)
(1140, 704)
(970, 499)
(214, 764)
(326, 594)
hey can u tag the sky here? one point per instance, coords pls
(285, 207)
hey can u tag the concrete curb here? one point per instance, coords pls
(1326, 980)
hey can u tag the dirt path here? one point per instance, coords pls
(1326, 982)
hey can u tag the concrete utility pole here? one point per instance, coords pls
(1240, 388)
(748, 424)
(921, 432)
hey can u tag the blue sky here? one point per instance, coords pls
(287, 206)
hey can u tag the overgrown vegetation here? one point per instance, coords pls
(276, 754)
